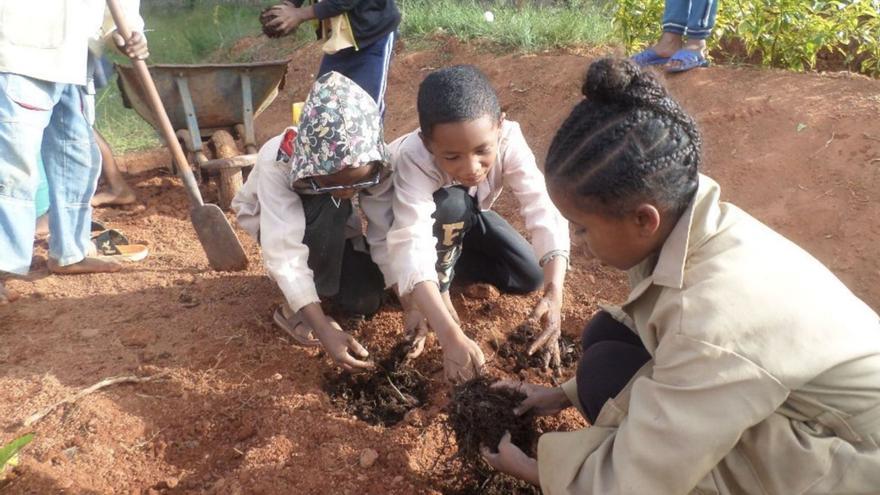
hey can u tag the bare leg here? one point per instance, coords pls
(119, 193)
(87, 265)
(6, 295)
(42, 225)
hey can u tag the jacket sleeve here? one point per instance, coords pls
(411, 242)
(282, 227)
(331, 8)
(377, 206)
(547, 227)
(682, 420)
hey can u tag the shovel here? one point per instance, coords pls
(219, 241)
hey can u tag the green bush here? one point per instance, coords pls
(792, 34)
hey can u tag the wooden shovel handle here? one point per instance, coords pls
(155, 103)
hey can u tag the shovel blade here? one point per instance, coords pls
(218, 240)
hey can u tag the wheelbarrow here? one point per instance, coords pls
(211, 102)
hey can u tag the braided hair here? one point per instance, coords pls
(627, 142)
(459, 93)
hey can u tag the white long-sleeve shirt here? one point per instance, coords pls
(411, 241)
(269, 210)
(49, 40)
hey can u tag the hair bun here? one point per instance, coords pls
(609, 79)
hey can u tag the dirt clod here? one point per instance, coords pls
(382, 396)
(481, 291)
(368, 458)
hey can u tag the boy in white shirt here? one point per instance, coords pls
(448, 174)
(298, 203)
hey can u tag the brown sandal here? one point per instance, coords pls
(290, 326)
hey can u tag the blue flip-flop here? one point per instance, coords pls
(687, 60)
(648, 57)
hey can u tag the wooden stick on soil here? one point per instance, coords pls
(116, 380)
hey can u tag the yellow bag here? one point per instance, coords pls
(337, 31)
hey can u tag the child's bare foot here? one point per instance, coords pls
(114, 198)
(87, 265)
(6, 295)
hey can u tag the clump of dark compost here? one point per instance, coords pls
(515, 349)
(480, 415)
(381, 396)
(266, 16)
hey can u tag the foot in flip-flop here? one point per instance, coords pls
(112, 243)
(685, 60)
(649, 56)
(294, 326)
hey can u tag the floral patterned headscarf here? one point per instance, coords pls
(340, 128)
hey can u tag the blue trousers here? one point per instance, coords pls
(49, 119)
(368, 67)
(694, 18)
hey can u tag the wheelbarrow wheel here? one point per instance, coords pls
(230, 179)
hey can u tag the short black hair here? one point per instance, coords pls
(627, 141)
(459, 93)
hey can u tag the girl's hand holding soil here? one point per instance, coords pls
(338, 344)
(540, 400)
(513, 461)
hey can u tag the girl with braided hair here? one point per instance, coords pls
(737, 364)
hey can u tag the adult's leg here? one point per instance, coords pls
(361, 284)
(368, 67)
(72, 167)
(26, 107)
(612, 355)
(454, 216)
(325, 237)
(119, 193)
(496, 253)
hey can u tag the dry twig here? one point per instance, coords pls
(116, 380)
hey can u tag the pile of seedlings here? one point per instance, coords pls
(384, 395)
(479, 415)
(515, 349)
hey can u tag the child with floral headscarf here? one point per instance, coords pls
(298, 203)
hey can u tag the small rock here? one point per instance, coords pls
(368, 457)
(481, 291)
(277, 376)
(70, 452)
(396, 480)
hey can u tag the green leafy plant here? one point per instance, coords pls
(792, 34)
(9, 452)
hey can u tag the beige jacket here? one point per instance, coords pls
(765, 377)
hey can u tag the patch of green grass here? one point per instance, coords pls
(531, 27)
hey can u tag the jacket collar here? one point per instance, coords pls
(697, 224)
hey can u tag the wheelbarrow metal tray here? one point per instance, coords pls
(215, 89)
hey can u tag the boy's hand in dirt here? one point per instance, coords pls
(462, 359)
(513, 461)
(415, 327)
(548, 316)
(343, 348)
(540, 400)
(135, 48)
